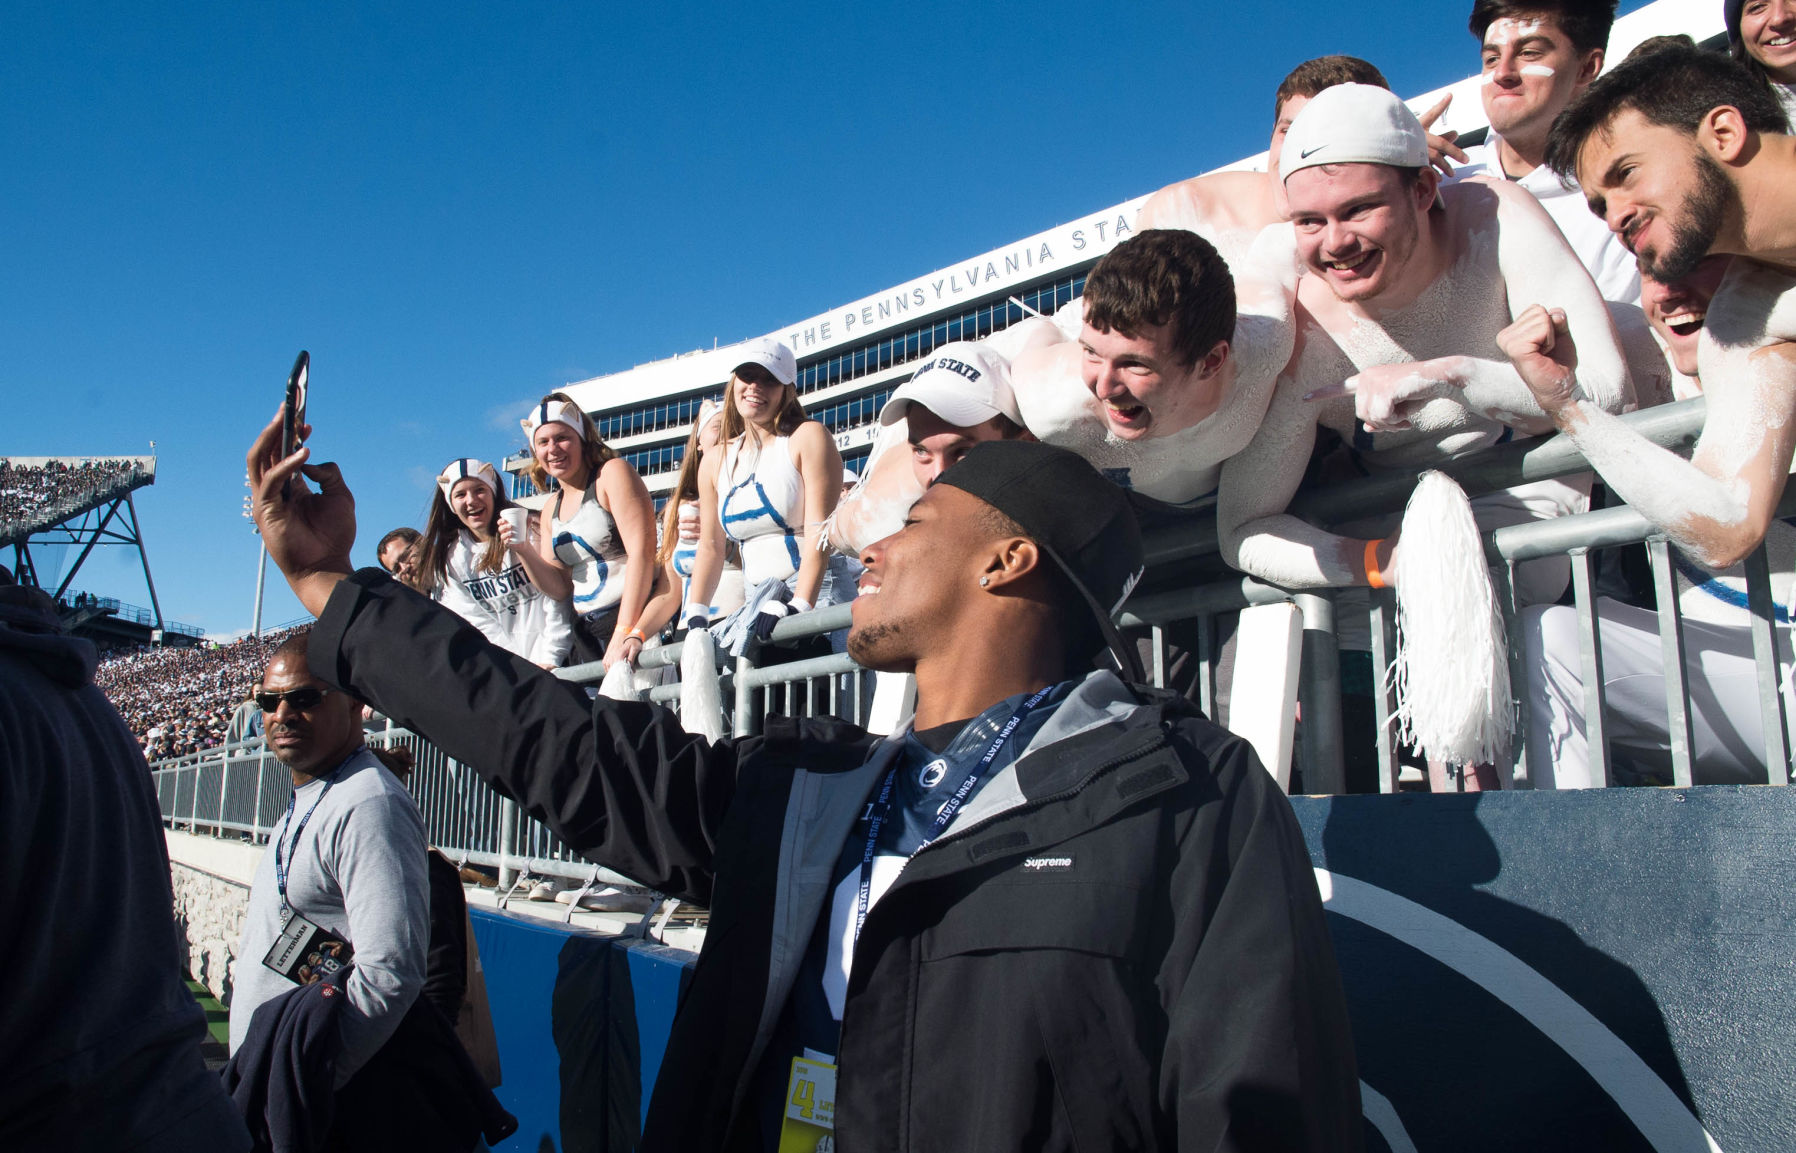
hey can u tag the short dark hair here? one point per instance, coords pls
(1586, 23)
(293, 647)
(1674, 87)
(1654, 44)
(1312, 76)
(1164, 276)
(404, 532)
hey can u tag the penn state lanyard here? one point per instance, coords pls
(280, 866)
(882, 807)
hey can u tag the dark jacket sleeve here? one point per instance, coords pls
(620, 781)
(1260, 1050)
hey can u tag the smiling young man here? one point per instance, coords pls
(1061, 911)
(1173, 366)
(1407, 285)
(1537, 57)
(1231, 208)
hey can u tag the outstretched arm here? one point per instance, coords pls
(1717, 505)
(620, 781)
(1257, 535)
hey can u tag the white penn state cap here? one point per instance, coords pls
(964, 383)
(1354, 124)
(771, 355)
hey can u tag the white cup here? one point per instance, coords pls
(518, 519)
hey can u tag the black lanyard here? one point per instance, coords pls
(882, 807)
(280, 866)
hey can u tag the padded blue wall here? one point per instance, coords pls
(1613, 970)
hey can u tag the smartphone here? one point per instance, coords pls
(293, 410)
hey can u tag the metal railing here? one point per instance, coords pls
(241, 790)
(1320, 756)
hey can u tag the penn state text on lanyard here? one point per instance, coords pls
(882, 808)
(280, 866)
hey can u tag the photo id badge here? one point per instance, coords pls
(306, 953)
(810, 1115)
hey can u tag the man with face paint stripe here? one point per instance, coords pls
(1539, 56)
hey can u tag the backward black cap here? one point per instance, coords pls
(1077, 517)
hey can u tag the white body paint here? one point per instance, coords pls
(1180, 466)
(1537, 70)
(1229, 209)
(1749, 376)
(1509, 255)
(877, 506)
(1508, 30)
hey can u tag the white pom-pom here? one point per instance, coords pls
(701, 695)
(1451, 674)
(620, 682)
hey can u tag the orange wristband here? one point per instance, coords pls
(1373, 577)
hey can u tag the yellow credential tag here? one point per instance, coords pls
(810, 1121)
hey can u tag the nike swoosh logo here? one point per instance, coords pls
(1309, 152)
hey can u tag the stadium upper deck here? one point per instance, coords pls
(851, 357)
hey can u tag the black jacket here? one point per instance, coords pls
(1118, 945)
(102, 1036)
(419, 1091)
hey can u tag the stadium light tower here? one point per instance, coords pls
(255, 626)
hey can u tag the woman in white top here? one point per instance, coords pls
(599, 534)
(1762, 35)
(778, 478)
(680, 521)
(468, 560)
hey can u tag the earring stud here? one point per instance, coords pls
(985, 582)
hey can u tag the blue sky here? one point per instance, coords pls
(457, 208)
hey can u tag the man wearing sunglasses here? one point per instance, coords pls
(348, 856)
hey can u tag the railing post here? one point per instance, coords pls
(1671, 644)
(508, 842)
(745, 713)
(261, 785)
(1770, 667)
(1384, 649)
(224, 786)
(1319, 691)
(1590, 650)
(1206, 665)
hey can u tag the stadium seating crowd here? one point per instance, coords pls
(30, 492)
(179, 701)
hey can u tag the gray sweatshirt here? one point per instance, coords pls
(359, 870)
